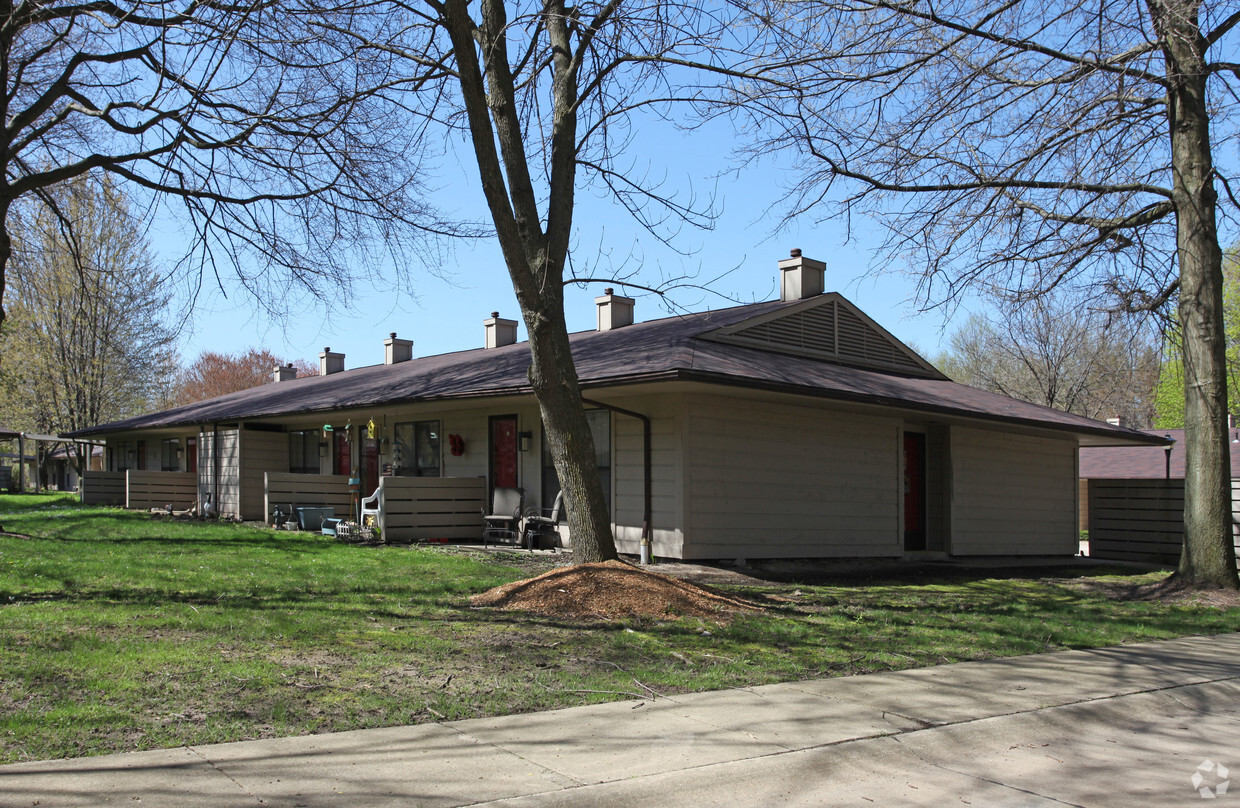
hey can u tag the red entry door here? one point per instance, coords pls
(503, 451)
(191, 455)
(914, 491)
(344, 455)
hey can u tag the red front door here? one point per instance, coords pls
(191, 455)
(344, 455)
(503, 451)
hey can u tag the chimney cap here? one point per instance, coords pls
(609, 291)
(392, 335)
(327, 349)
(495, 314)
(795, 252)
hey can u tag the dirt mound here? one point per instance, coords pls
(611, 589)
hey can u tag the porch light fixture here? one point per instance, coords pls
(180, 453)
(322, 448)
(524, 439)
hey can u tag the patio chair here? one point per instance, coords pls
(503, 522)
(540, 523)
(370, 507)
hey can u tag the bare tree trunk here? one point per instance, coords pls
(1208, 556)
(554, 380)
(535, 259)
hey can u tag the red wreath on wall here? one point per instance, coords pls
(457, 445)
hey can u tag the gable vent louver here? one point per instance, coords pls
(862, 344)
(831, 330)
(812, 330)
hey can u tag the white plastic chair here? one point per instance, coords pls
(372, 509)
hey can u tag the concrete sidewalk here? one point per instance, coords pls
(1121, 726)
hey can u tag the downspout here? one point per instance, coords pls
(646, 463)
(215, 470)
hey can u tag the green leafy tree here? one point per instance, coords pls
(1169, 394)
(86, 340)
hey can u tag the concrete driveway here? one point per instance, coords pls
(1153, 724)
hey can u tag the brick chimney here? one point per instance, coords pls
(284, 373)
(397, 350)
(614, 311)
(800, 277)
(498, 331)
(330, 362)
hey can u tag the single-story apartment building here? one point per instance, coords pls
(792, 428)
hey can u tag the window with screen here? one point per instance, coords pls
(168, 454)
(417, 449)
(303, 452)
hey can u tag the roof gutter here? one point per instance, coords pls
(646, 464)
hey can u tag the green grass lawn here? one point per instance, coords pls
(122, 632)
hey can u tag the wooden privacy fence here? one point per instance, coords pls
(103, 488)
(307, 491)
(1141, 520)
(413, 508)
(159, 489)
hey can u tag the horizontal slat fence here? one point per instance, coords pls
(1141, 520)
(308, 491)
(413, 508)
(103, 488)
(159, 489)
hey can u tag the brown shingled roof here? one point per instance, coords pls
(1146, 462)
(669, 349)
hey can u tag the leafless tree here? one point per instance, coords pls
(546, 94)
(275, 137)
(1028, 145)
(1058, 354)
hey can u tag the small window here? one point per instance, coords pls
(417, 450)
(303, 452)
(168, 449)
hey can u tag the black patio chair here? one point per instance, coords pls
(539, 529)
(503, 522)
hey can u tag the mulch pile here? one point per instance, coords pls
(611, 589)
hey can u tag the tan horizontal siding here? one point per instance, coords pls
(627, 476)
(261, 452)
(776, 480)
(1013, 494)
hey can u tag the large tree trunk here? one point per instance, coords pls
(1208, 556)
(554, 379)
(535, 259)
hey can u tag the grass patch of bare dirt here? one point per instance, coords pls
(612, 590)
(1169, 591)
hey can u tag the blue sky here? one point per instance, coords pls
(445, 313)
